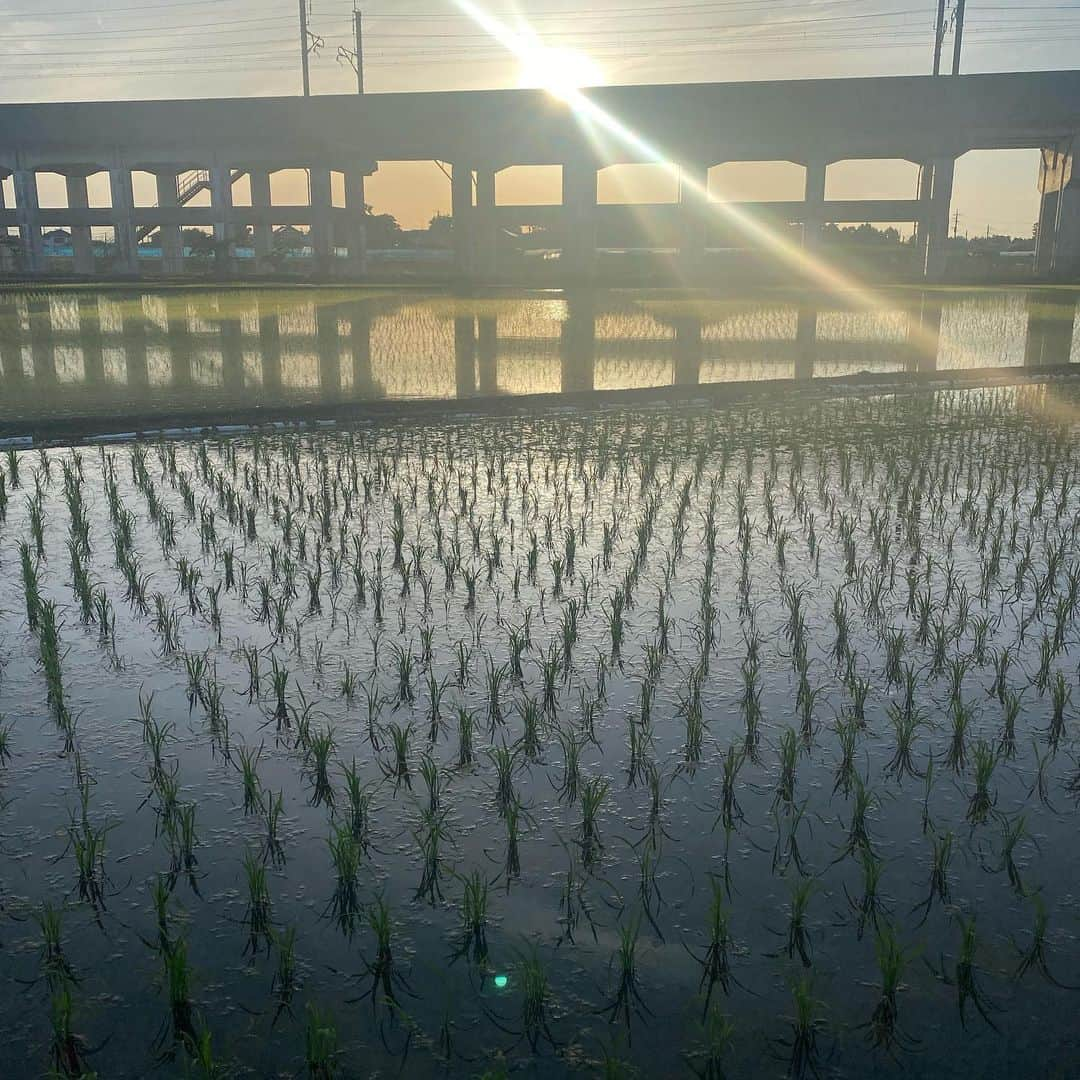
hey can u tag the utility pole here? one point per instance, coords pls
(358, 38)
(355, 57)
(309, 43)
(304, 49)
(939, 36)
(956, 224)
(958, 36)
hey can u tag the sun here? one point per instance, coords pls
(561, 72)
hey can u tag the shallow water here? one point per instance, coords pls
(896, 475)
(76, 354)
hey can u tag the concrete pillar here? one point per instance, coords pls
(925, 190)
(1057, 249)
(26, 207)
(486, 226)
(123, 205)
(814, 202)
(1045, 237)
(579, 218)
(263, 227)
(356, 205)
(1067, 239)
(937, 222)
(487, 354)
(694, 218)
(805, 342)
(461, 210)
(1049, 329)
(81, 241)
(221, 201)
(321, 204)
(578, 350)
(169, 236)
(465, 355)
(688, 351)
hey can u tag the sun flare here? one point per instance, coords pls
(561, 72)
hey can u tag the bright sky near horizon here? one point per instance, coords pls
(53, 50)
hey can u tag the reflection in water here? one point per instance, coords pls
(72, 354)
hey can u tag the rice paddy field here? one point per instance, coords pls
(627, 741)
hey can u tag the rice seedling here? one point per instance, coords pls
(571, 775)
(512, 815)
(716, 960)
(248, 760)
(1033, 957)
(183, 838)
(285, 980)
(257, 917)
(593, 793)
(905, 725)
(5, 741)
(535, 995)
(273, 811)
(982, 802)
(345, 903)
(785, 785)
(320, 1044)
(386, 979)
(320, 745)
(54, 963)
(965, 975)
(399, 769)
(883, 1027)
(474, 917)
(627, 999)
(941, 847)
(798, 941)
(802, 1046)
(178, 989)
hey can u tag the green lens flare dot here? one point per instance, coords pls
(501, 981)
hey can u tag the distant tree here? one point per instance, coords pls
(383, 230)
(441, 229)
(198, 242)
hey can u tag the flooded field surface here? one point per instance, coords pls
(635, 742)
(71, 355)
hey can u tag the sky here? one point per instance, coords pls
(57, 50)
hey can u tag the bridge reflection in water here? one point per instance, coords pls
(85, 355)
